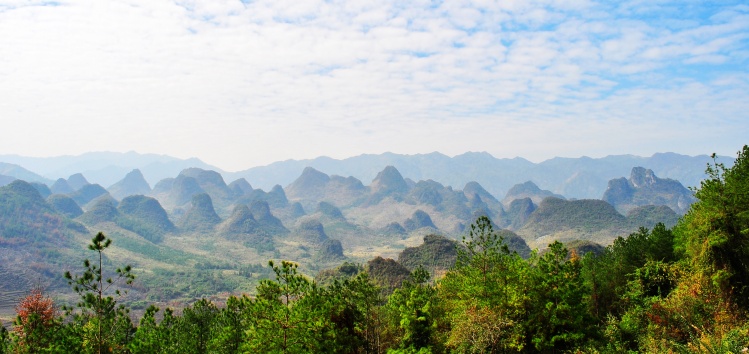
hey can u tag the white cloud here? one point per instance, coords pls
(240, 84)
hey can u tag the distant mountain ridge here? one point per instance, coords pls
(577, 178)
(104, 168)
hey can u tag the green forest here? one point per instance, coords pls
(660, 290)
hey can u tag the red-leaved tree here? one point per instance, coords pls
(36, 315)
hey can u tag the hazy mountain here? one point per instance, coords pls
(87, 193)
(36, 241)
(578, 178)
(269, 223)
(517, 214)
(65, 205)
(61, 186)
(77, 181)
(181, 191)
(18, 172)
(418, 220)
(474, 189)
(106, 168)
(240, 187)
(330, 212)
(528, 190)
(144, 216)
(133, 184)
(388, 183)
(644, 188)
(201, 216)
(331, 249)
(42, 188)
(312, 231)
(5, 180)
(240, 222)
(330, 217)
(103, 210)
(314, 186)
(649, 215)
(26, 218)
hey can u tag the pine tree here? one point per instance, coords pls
(106, 325)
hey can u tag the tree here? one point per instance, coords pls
(106, 325)
(415, 310)
(229, 328)
(714, 234)
(558, 316)
(197, 326)
(36, 317)
(488, 288)
(278, 321)
(607, 275)
(4, 340)
(146, 338)
(352, 305)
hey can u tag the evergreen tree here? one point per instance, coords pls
(229, 331)
(197, 326)
(276, 323)
(558, 316)
(105, 325)
(414, 309)
(4, 340)
(486, 294)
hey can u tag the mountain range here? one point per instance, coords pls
(579, 178)
(193, 224)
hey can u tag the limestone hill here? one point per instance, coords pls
(528, 190)
(65, 205)
(133, 184)
(201, 216)
(644, 188)
(87, 193)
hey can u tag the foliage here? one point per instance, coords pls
(106, 325)
(36, 317)
(557, 316)
(714, 234)
(435, 254)
(197, 326)
(607, 275)
(413, 311)
(487, 288)
(4, 340)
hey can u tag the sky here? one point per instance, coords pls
(246, 83)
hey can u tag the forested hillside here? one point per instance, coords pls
(658, 290)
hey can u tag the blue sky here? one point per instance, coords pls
(245, 83)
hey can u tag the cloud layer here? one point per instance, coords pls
(242, 83)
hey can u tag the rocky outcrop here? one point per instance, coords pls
(418, 220)
(644, 188)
